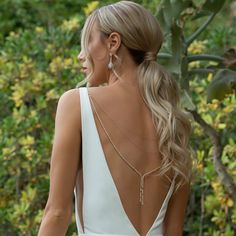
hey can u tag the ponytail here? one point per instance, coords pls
(161, 94)
(143, 39)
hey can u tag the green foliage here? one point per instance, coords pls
(39, 43)
(173, 16)
(224, 82)
(204, 78)
(213, 5)
(30, 13)
(37, 64)
(212, 201)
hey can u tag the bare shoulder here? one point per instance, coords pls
(70, 96)
(69, 105)
(69, 99)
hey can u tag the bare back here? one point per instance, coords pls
(128, 123)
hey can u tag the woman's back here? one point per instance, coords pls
(105, 143)
(128, 123)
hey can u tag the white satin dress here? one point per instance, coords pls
(103, 212)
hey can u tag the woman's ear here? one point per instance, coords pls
(114, 42)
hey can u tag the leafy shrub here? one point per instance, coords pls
(39, 42)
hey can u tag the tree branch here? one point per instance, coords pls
(164, 56)
(200, 29)
(201, 71)
(199, 57)
(224, 176)
(205, 57)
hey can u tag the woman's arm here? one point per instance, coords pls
(175, 215)
(64, 165)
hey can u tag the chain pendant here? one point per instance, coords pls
(141, 191)
(141, 188)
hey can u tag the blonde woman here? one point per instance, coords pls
(121, 143)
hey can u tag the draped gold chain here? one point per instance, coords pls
(142, 176)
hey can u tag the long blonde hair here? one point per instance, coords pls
(141, 34)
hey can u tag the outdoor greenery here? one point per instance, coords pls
(39, 44)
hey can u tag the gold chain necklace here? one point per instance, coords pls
(130, 140)
(142, 176)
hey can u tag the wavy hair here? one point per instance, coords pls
(142, 36)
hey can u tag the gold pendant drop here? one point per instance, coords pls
(141, 190)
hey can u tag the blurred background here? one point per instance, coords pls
(39, 44)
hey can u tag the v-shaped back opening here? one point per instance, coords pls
(167, 196)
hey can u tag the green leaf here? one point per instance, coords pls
(178, 6)
(170, 11)
(199, 15)
(213, 5)
(224, 82)
(164, 14)
(186, 101)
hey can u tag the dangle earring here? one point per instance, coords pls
(110, 64)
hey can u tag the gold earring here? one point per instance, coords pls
(110, 64)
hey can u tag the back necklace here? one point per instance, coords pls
(142, 176)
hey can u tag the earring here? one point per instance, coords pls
(110, 64)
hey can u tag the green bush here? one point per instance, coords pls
(37, 64)
(39, 43)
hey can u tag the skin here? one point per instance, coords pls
(66, 151)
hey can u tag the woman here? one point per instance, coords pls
(123, 147)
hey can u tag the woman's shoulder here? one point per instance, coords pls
(69, 104)
(70, 98)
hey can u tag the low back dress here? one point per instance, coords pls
(103, 212)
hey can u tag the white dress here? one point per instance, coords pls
(103, 212)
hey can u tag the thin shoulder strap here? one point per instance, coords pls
(83, 105)
(86, 110)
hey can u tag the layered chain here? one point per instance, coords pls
(142, 176)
